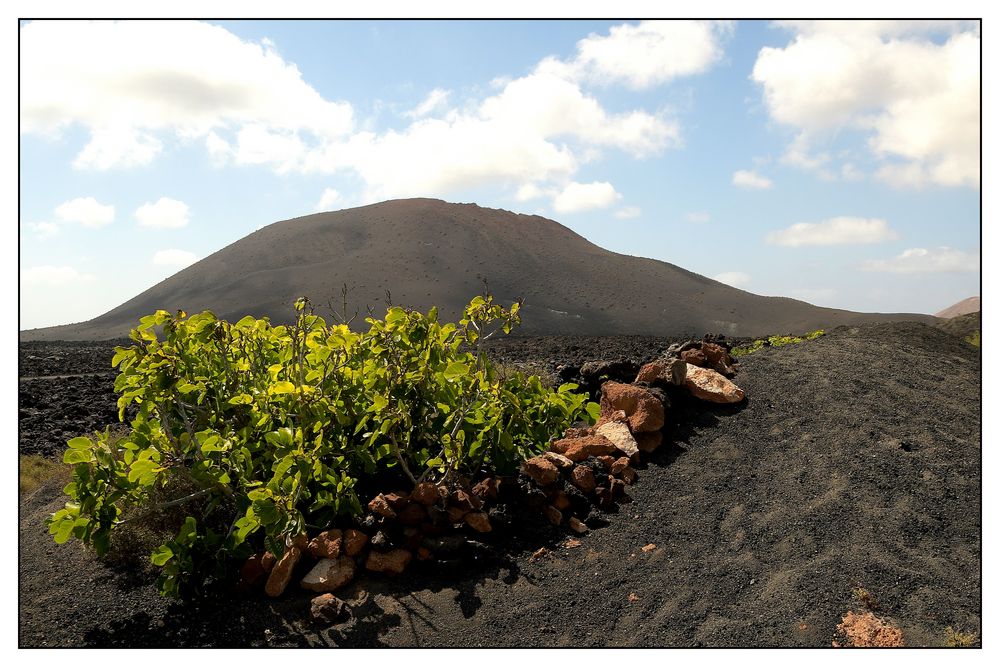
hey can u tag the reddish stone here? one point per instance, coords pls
(278, 580)
(329, 574)
(618, 416)
(560, 501)
(425, 493)
(558, 460)
(583, 478)
(391, 562)
(573, 432)
(328, 608)
(553, 515)
(486, 489)
(629, 475)
(578, 449)
(694, 357)
(606, 461)
(604, 497)
(648, 442)
(456, 514)
(669, 371)
(578, 526)
(268, 560)
(353, 542)
(413, 514)
(326, 544)
(643, 407)
(252, 572)
(540, 469)
(423, 553)
(718, 358)
(300, 541)
(465, 500)
(616, 486)
(478, 521)
(709, 385)
(619, 465)
(380, 505)
(398, 500)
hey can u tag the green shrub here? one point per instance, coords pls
(263, 432)
(975, 338)
(774, 341)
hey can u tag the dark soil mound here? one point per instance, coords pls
(962, 325)
(429, 252)
(854, 462)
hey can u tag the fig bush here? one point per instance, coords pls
(260, 432)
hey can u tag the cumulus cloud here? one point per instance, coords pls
(86, 211)
(174, 258)
(733, 278)
(579, 197)
(751, 180)
(628, 212)
(926, 260)
(644, 55)
(184, 78)
(529, 191)
(48, 275)
(916, 99)
(843, 230)
(327, 199)
(166, 213)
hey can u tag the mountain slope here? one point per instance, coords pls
(428, 252)
(963, 307)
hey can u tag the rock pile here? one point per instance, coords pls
(589, 466)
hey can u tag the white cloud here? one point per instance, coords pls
(843, 230)
(751, 180)
(916, 100)
(166, 213)
(628, 212)
(733, 278)
(923, 260)
(126, 80)
(174, 258)
(529, 191)
(44, 230)
(697, 216)
(86, 211)
(644, 55)
(578, 197)
(53, 276)
(327, 199)
(436, 99)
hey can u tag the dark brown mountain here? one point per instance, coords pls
(429, 252)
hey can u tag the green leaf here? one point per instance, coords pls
(161, 555)
(143, 472)
(456, 370)
(81, 443)
(593, 410)
(74, 456)
(282, 387)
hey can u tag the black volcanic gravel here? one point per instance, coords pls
(854, 462)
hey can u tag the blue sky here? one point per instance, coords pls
(835, 162)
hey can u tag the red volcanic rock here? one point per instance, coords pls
(578, 526)
(328, 608)
(694, 357)
(478, 521)
(671, 371)
(621, 438)
(540, 469)
(583, 478)
(643, 407)
(486, 489)
(326, 544)
(413, 514)
(381, 506)
(578, 449)
(559, 460)
(391, 562)
(425, 493)
(553, 515)
(278, 580)
(353, 542)
(718, 358)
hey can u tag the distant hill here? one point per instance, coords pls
(428, 252)
(963, 307)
